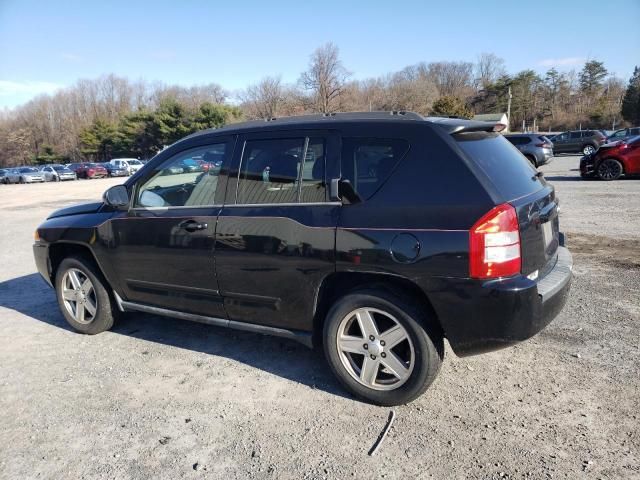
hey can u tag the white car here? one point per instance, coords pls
(56, 173)
(132, 165)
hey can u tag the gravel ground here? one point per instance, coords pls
(160, 398)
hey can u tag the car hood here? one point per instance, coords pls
(77, 209)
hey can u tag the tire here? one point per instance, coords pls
(532, 159)
(98, 298)
(421, 349)
(56, 178)
(588, 149)
(609, 169)
(21, 180)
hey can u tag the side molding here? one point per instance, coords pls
(302, 337)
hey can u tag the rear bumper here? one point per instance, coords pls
(480, 317)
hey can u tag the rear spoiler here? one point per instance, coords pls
(460, 125)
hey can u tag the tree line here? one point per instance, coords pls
(112, 116)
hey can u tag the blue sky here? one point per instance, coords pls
(46, 45)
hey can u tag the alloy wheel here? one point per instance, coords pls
(609, 170)
(375, 349)
(79, 296)
(588, 150)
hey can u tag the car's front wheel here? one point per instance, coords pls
(83, 296)
(588, 149)
(610, 169)
(382, 348)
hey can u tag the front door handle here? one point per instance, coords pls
(193, 226)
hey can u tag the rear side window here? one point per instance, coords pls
(368, 162)
(576, 134)
(284, 170)
(508, 169)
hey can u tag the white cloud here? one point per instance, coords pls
(10, 88)
(561, 62)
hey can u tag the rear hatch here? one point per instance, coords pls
(516, 182)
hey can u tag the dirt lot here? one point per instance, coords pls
(160, 398)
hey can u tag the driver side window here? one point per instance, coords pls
(188, 179)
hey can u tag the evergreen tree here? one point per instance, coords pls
(631, 100)
(450, 106)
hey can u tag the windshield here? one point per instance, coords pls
(135, 162)
(28, 170)
(508, 169)
(57, 168)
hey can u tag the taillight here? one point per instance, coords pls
(494, 244)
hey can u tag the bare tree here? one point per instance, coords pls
(264, 99)
(325, 78)
(489, 68)
(452, 78)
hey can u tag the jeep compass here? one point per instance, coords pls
(373, 235)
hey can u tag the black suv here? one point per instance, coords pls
(578, 141)
(376, 235)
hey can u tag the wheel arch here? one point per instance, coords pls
(60, 250)
(339, 284)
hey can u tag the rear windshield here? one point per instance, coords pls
(508, 169)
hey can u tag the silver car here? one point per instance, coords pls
(29, 175)
(537, 148)
(56, 173)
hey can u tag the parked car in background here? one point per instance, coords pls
(623, 133)
(56, 173)
(3, 174)
(74, 167)
(612, 160)
(11, 176)
(576, 141)
(91, 170)
(115, 170)
(333, 231)
(537, 148)
(30, 175)
(132, 165)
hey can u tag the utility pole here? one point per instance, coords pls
(509, 109)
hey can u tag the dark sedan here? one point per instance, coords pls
(115, 170)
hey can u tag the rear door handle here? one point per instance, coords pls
(193, 226)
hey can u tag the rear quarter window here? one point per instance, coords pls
(510, 172)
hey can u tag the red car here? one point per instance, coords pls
(612, 160)
(91, 170)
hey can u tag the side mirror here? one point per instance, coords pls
(117, 197)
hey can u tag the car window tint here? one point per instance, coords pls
(269, 171)
(313, 186)
(634, 131)
(575, 134)
(508, 169)
(368, 162)
(182, 181)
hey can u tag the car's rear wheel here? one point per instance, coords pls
(610, 169)
(588, 149)
(83, 296)
(381, 348)
(532, 159)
